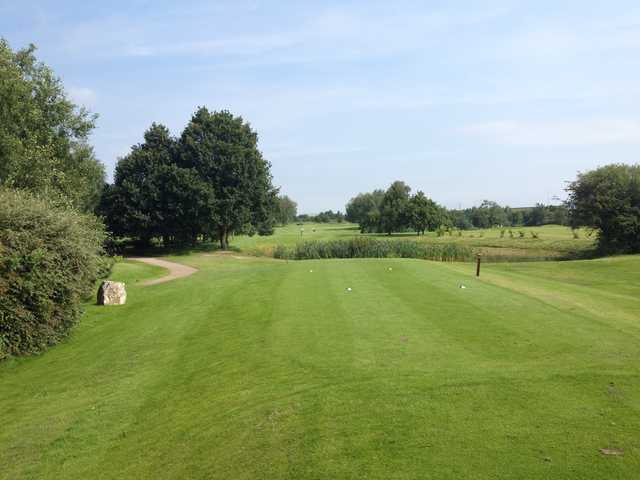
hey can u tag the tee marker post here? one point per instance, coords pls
(478, 265)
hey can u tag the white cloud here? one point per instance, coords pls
(336, 34)
(82, 96)
(567, 133)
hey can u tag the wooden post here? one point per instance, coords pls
(478, 265)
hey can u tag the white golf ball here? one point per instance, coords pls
(348, 289)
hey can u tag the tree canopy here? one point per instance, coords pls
(43, 135)
(608, 199)
(212, 181)
(395, 210)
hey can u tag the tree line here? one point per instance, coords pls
(606, 200)
(490, 214)
(328, 216)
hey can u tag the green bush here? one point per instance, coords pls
(363, 247)
(50, 258)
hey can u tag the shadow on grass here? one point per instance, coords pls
(159, 250)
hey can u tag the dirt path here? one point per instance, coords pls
(176, 270)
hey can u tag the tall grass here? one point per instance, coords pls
(373, 248)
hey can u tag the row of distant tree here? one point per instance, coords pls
(606, 199)
(490, 214)
(328, 216)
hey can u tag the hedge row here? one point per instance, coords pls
(364, 247)
(50, 259)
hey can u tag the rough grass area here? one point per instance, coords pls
(367, 247)
(552, 242)
(258, 368)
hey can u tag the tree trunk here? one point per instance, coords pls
(223, 236)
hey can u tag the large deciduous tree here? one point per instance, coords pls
(131, 204)
(424, 214)
(362, 206)
(608, 199)
(154, 197)
(222, 148)
(43, 135)
(394, 208)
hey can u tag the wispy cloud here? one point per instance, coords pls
(566, 133)
(334, 33)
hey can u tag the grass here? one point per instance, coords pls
(553, 242)
(257, 368)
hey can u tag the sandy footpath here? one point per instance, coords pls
(176, 270)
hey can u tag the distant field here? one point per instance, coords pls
(258, 368)
(554, 241)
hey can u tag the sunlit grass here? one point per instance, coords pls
(258, 368)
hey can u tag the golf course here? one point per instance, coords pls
(319, 240)
(261, 368)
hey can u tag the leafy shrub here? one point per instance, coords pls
(50, 258)
(363, 247)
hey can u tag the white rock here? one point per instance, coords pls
(112, 293)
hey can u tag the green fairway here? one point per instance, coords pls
(515, 243)
(258, 368)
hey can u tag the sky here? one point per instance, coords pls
(464, 100)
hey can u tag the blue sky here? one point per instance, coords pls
(503, 100)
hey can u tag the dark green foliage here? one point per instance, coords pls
(423, 214)
(490, 214)
(608, 200)
(327, 216)
(50, 258)
(43, 135)
(394, 208)
(132, 205)
(363, 247)
(212, 182)
(222, 148)
(360, 207)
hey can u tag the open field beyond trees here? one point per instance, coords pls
(258, 368)
(554, 241)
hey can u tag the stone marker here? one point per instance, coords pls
(112, 293)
